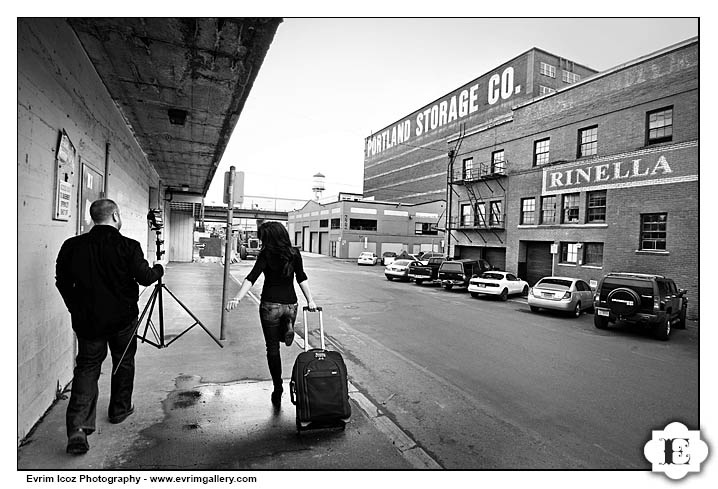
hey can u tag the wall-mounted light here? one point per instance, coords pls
(177, 116)
(185, 188)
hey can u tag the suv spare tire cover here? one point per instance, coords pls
(623, 301)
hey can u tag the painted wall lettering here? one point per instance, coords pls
(641, 168)
(499, 86)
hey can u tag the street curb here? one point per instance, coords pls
(407, 447)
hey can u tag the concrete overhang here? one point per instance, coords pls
(180, 83)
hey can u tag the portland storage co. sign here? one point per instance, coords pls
(655, 166)
(488, 90)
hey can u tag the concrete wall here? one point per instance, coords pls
(58, 89)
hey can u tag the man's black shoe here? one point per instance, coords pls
(77, 443)
(121, 417)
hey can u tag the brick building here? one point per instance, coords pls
(598, 176)
(406, 161)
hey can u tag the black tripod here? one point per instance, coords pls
(149, 307)
(155, 222)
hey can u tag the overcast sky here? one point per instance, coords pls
(327, 83)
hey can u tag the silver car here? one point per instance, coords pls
(398, 269)
(561, 294)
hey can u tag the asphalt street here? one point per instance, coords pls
(485, 384)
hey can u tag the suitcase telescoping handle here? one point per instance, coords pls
(305, 309)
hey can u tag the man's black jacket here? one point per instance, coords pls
(97, 275)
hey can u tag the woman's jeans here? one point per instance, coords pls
(276, 320)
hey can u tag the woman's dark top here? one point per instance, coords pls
(278, 287)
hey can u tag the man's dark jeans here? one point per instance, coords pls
(276, 319)
(81, 411)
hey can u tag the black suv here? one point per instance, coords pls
(459, 272)
(649, 300)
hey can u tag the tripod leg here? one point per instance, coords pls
(193, 317)
(149, 308)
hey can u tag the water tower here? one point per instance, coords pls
(318, 186)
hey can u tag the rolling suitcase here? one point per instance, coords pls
(319, 386)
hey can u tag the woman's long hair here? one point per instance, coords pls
(277, 247)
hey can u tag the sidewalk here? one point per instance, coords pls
(202, 407)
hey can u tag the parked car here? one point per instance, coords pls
(428, 271)
(407, 256)
(399, 269)
(644, 299)
(430, 254)
(388, 257)
(457, 273)
(497, 283)
(367, 258)
(561, 294)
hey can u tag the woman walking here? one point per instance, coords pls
(281, 263)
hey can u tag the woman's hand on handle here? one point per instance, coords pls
(312, 306)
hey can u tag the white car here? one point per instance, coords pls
(367, 258)
(502, 284)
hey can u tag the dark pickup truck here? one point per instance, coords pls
(420, 273)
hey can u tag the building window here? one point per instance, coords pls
(548, 209)
(498, 162)
(545, 90)
(570, 208)
(570, 77)
(336, 223)
(588, 141)
(596, 206)
(324, 223)
(548, 70)
(593, 254)
(425, 228)
(466, 218)
(660, 125)
(468, 168)
(541, 151)
(496, 216)
(569, 252)
(653, 231)
(362, 224)
(528, 211)
(481, 214)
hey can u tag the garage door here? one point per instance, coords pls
(395, 247)
(497, 258)
(538, 261)
(314, 242)
(324, 243)
(469, 252)
(305, 239)
(357, 247)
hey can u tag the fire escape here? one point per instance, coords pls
(482, 183)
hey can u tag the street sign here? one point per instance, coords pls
(238, 192)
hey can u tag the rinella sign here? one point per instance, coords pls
(654, 167)
(498, 87)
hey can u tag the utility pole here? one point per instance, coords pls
(229, 192)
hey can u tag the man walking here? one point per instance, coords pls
(97, 275)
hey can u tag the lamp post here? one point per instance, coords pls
(227, 247)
